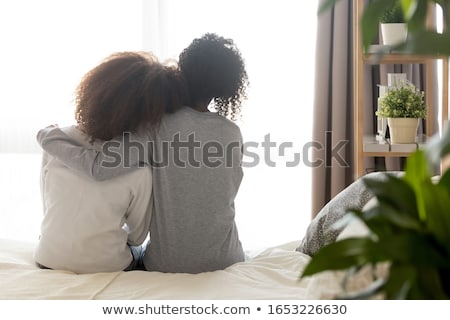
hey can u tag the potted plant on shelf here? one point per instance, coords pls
(421, 38)
(403, 105)
(393, 27)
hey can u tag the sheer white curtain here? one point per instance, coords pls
(51, 44)
(47, 46)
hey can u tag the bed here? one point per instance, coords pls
(270, 274)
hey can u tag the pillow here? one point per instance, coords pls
(320, 232)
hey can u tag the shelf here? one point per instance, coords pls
(364, 147)
(393, 58)
(386, 154)
(384, 148)
(372, 144)
(373, 57)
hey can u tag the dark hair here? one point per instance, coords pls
(125, 92)
(214, 69)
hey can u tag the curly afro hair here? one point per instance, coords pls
(214, 70)
(125, 92)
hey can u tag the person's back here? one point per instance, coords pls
(195, 181)
(82, 226)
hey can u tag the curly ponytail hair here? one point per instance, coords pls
(214, 69)
(125, 92)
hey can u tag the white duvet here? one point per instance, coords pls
(269, 275)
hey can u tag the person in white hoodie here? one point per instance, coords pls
(91, 226)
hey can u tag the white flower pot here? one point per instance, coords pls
(393, 33)
(403, 130)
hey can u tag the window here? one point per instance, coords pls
(53, 43)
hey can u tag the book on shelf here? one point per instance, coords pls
(378, 48)
(381, 49)
(403, 147)
(375, 144)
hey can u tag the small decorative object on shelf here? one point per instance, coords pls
(396, 79)
(403, 105)
(381, 122)
(375, 144)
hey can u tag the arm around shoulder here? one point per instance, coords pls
(100, 165)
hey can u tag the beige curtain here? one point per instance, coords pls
(333, 115)
(333, 105)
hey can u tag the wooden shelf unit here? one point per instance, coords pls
(360, 60)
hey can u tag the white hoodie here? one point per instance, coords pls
(88, 224)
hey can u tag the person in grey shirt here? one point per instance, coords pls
(195, 155)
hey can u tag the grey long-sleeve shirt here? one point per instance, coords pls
(196, 160)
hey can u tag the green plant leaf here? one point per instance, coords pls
(393, 191)
(394, 14)
(425, 42)
(407, 248)
(417, 172)
(374, 221)
(417, 169)
(411, 248)
(438, 147)
(400, 281)
(409, 8)
(445, 280)
(326, 5)
(444, 181)
(379, 218)
(437, 206)
(341, 255)
(416, 13)
(431, 283)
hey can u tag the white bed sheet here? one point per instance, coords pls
(269, 275)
